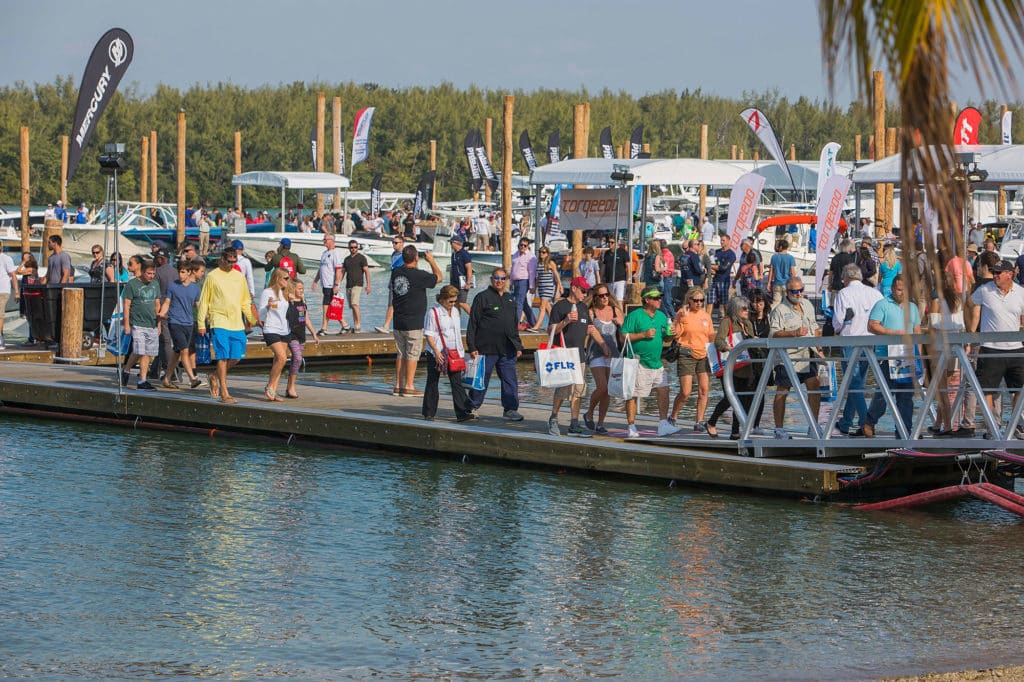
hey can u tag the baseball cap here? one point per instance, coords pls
(286, 242)
(237, 244)
(651, 292)
(456, 239)
(580, 282)
(1002, 266)
(163, 254)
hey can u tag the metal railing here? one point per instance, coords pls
(936, 352)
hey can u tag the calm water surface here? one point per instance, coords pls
(142, 555)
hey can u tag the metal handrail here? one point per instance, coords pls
(941, 348)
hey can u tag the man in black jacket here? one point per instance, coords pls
(493, 332)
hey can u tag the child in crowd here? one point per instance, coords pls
(298, 322)
(178, 310)
(269, 256)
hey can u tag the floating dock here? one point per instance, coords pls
(374, 419)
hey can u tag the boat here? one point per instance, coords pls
(765, 237)
(140, 223)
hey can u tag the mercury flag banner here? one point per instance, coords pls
(361, 135)
(375, 195)
(554, 148)
(423, 194)
(1006, 124)
(594, 209)
(829, 211)
(607, 151)
(107, 64)
(485, 164)
(762, 127)
(312, 145)
(636, 142)
(746, 194)
(469, 144)
(827, 163)
(527, 151)
(968, 121)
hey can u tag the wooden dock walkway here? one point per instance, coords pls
(374, 419)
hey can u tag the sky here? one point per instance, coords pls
(725, 47)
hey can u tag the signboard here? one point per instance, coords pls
(594, 209)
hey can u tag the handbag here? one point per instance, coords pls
(717, 359)
(203, 354)
(336, 309)
(117, 342)
(453, 361)
(671, 354)
(558, 366)
(476, 368)
(622, 374)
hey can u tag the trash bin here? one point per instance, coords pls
(43, 308)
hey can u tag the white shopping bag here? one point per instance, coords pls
(622, 378)
(558, 366)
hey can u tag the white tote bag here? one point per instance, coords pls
(560, 366)
(622, 379)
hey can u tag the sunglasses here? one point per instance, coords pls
(652, 298)
(354, 247)
(498, 278)
(796, 292)
(397, 242)
(602, 295)
(97, 253)
(231, 260)
(696, 300)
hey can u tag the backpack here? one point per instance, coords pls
(747, 280)
(288, 264)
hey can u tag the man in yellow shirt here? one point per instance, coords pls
(223, 302)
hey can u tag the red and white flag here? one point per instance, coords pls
(830, 210)
(759, 123)
(361, 135)
(746, 194)
(966, 129)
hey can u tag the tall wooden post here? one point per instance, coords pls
(152, 167)
(647, 148)
(890, 146)
(586, 125)
(72, 308)
(579, 151)
(64, 170)
(238, 171)
(25, 227)
(339, 143)
(144, 168)
(618, 151)
(703, 195)
(433, 167)
(792, 152)
(1001, 196)
(488, 131)
(740, 154)
(757, 155)
(321, 108)
(506, 184)
(856, 147)
(733, 153)
(181, 178)
(879, 119)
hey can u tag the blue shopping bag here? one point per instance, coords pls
(476, 368)
(117, 342)
(203, 354)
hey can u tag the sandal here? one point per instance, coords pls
(711, 430)
(272, 395)
(228, 400)
(291, 395)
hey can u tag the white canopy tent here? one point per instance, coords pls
(1003, 163)
(291, 180)
(644, 171)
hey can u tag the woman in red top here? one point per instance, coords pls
(693, 330)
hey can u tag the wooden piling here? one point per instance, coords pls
(579, 151)
(792, 152)
(703, 191)
(1001, 196)
(618, 151)
(339, 145)
(856, 147)
(757, 155)
(733, 153)
(238, 171)
(740, 153)
(506, 184)
(144, 170)
(321, 108)
(25, 227)
(64, 170)
(152, 167)
(72, 310)
(879, 137)
(890, 146)
(181, 178)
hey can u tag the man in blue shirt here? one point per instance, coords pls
(461, 271)
(782, 266)
(61, 213)
(725, 259)
(898, 368)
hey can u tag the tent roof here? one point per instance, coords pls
(645, 172)
(301, 180)
(1004, 163)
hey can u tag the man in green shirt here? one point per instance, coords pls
(645, 330)
(141, 306)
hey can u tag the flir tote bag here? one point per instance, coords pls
(558, 366)
(622, 379)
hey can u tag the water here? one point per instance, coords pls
(146, 554)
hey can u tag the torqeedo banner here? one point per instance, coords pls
(594, 209)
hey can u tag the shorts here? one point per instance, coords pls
(228, 344)
(995, 364)
(409, 343)
(718, 293)
(601, 361)
(648, 380)
(328, 296)
(690, 366)
(463, 296)
(145, 341)
(3, 301)
(782, 377)
(572, 391)
(181, 336)
(353, 294)
(271, 339)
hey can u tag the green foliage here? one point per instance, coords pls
(275, 123)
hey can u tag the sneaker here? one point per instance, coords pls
(868, 430)
(633, 432)
(698, 427)
(780, 434)
(125, 378)
(589, 423)
(553, 427)
(382, 330)
(145, 386)
(512, 416)
(577, 431)
(356, 330)
(666, 429)
(966, 431)
(464, 418)
(601, 430)
(195, 383)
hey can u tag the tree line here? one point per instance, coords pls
(276, 122)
